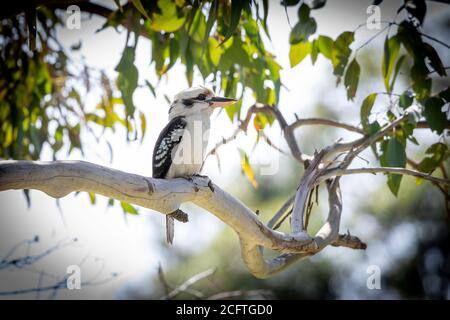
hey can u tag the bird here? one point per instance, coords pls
(180, 149)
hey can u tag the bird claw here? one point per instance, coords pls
(179, 215)
(196, 189)
(210, 184)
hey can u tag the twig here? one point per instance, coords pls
(191, 281)
(241, 293)
(325, 122)
(281, 211)
(390, 170)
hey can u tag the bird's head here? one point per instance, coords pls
(197, 100)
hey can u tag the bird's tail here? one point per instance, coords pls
(170, 229)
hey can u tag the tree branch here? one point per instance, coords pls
(328, 234)
(325, 122)
(59, 178)
(374, 170)
(188, 283)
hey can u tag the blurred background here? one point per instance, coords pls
(408, 237)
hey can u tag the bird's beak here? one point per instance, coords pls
(221, 102)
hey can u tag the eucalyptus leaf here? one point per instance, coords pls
(393, 155)
(351, 79)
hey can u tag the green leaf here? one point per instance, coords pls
(261, 120)
(317, 4)
(168, 20)
(266, 13)
(289, 3)
(445, 94)
(351, 79)
(253, 33)
(398, 67)
(189, 67)
(302, 30)
(437, 153)
(140, 7)
(119, 6)
(236, 9)
(128, 79)
(174, 49)
(434, 116)
(435, 61)
(197, 30)
(143, 125)
(91, 197)
(248, 170)
(303, 12)
(128, 208)
(417, 8)
(236, 53)
(374, 127)
(406, 99)
(391, 50)
(366, 108)
(422, 88)
(212, 17)
(151, 87)
(341, 52)
(215, 51)
(314, 52)
(298, 52)
(325, 46)
(393, 155)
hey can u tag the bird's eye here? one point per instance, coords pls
(188, 103)
(201, 97)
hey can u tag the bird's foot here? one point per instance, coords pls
(191, 180)
(210, 184)
(179, 215)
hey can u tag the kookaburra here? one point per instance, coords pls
(181, 145)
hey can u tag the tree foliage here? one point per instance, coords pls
(42, 88)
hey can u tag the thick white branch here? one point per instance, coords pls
(59, 178)
(328, 234)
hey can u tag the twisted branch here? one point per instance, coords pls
(60, 178)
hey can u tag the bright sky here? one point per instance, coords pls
(134, 248)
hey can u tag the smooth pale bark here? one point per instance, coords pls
(59, 178)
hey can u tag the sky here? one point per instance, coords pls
(107, 243)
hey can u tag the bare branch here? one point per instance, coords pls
(325, 122)
(328, 234)
(307, 182)
(280, 212)
(374, 170)
(287, 132)
(27, 263)
(188, 283)
(349, 241)
(241, 293)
